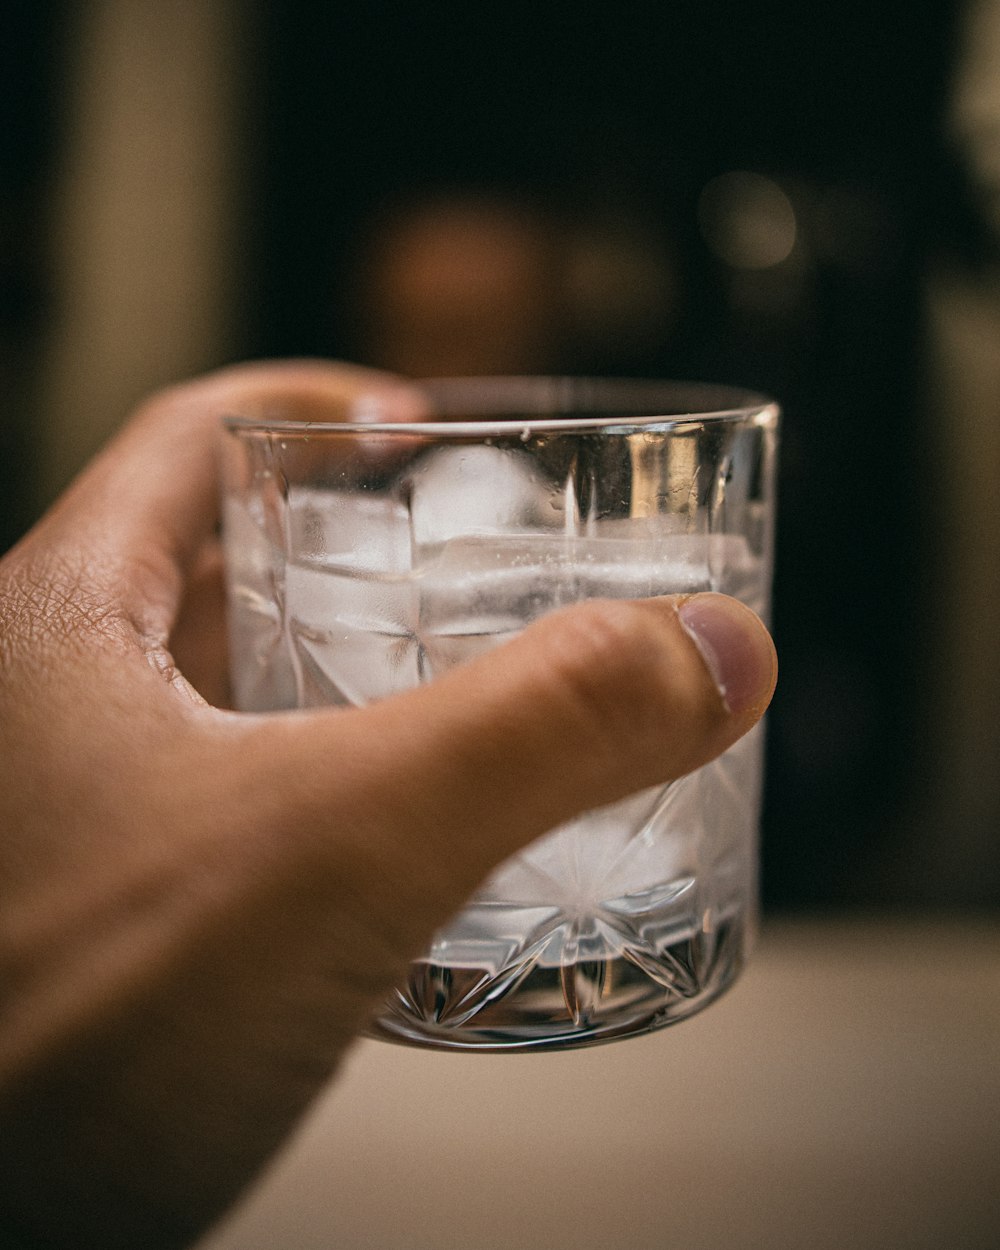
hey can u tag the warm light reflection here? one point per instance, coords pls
(747, 220)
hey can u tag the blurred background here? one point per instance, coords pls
(798, 197)
(804, 199)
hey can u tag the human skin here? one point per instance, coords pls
(201, 909)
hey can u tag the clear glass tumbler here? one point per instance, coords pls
(365, 557)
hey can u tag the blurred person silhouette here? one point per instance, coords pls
(463, 281)
(458, 284)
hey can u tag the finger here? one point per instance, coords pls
(586, 706)
(198, 642)
(141, 511)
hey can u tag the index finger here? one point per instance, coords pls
(137, 516)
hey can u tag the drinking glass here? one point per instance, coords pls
(365, 556)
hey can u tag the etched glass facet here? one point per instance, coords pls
(358, 570)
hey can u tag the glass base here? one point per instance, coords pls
(535, 1007)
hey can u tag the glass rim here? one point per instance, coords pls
(521, 406)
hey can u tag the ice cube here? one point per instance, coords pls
(352, 667)
(331, 600)
(355, 529)
(472, 490)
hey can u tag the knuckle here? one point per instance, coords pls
(633, 680)
(599, 654)
(594, 641)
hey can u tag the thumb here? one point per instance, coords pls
(586, 706)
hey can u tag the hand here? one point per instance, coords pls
(201, 909)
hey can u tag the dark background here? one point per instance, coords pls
(640, 105)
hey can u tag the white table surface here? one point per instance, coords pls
(845, 1094)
